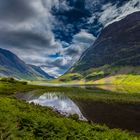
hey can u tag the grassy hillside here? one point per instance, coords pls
(106, 74)
(120, 80)
(36, 122)
(12, 72)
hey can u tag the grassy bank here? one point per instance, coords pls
(20, 120)
(95, 94)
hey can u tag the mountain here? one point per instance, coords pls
(115, 52)
(40, 72)
(118, 44)
(12, 66)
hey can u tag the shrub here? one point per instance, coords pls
(11, 80)
(24, 82)
(74, 117)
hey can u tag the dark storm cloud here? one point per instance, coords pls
(72, 51)
(26, 39)
(16, 10)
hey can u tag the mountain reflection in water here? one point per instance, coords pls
(58, 101)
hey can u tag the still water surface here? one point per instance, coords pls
(115, 115)
(58, 101)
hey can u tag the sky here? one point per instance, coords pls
(53, 34)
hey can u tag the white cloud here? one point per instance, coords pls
(53, 71)
(81, 41)
(83, 37)
(112, 13)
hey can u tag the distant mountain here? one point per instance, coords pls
(116, 51)
(40, 72)
(12, 66)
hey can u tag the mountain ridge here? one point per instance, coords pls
(115, 52)
(119, 33)
(12, 66)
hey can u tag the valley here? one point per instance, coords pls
(80, 83)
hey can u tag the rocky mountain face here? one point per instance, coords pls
(117, 45)
(12, 66)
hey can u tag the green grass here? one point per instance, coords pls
(9, 88)
(22, 121)
(106, 74)
(129, 89)
(70, 77)
(129, 79)
(74, 92)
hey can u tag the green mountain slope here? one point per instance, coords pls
(116, 52)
